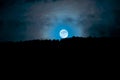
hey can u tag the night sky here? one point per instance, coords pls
(43, 19)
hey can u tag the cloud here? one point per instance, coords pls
(32, 19)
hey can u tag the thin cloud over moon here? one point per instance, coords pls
(42, 19)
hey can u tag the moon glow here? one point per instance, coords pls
(63, 33)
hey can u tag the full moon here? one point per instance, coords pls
(63, 33)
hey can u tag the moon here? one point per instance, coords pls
(63, 33)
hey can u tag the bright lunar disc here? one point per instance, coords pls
(63, 33)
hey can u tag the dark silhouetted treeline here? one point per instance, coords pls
(75, 42)
(83, 55)
(71, 49)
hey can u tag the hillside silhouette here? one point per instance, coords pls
(74, 42)
(71, 53)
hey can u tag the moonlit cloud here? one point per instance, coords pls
(73, 12)
(42, 19)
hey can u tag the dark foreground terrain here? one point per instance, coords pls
(78, 49)
(69, 43)
(88, 53)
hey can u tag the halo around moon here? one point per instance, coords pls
(63, 33)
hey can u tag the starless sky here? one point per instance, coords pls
(42, 19)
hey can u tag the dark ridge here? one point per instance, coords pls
(79, 54)
(74, 42)
(76, 48)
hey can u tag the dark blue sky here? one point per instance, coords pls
(42, 19)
